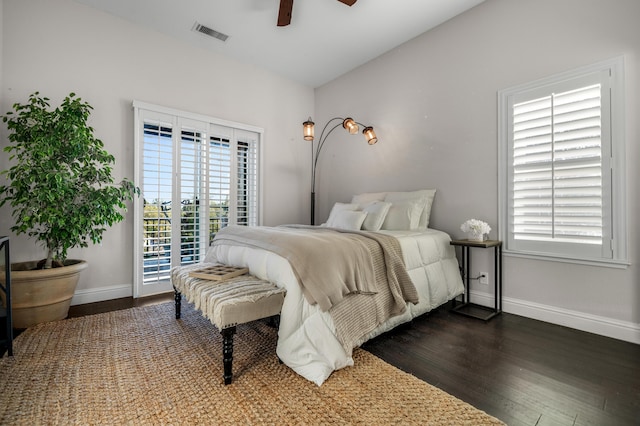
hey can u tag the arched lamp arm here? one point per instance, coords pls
(321, 142)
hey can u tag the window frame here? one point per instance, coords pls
(614, 186)
(208, 129)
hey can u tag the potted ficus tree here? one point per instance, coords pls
(61, 191)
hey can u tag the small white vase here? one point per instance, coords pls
(472, 236)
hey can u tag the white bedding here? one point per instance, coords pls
(306, 338)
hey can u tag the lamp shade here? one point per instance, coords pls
(350, 125)
(307, 129)
(370, 135)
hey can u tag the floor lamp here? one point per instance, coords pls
(350, 125)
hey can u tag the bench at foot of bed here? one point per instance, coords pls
(227, 303)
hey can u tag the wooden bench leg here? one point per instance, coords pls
(227, 353)
(274, 321)
(178, 299)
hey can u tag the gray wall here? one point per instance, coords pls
(433, 102)
(59, 46)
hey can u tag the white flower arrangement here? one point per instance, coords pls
(475, 226)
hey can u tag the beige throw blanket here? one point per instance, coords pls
(328, 265)
(359, 277)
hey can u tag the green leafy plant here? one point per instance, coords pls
(60, 186)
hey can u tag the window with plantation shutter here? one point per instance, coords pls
(197, 175)
(562, 175)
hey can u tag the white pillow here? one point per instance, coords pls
(367, 198)
(404, 214)
(426, 213)
(376, 213)
(425, 195)
(347, 219)
(338, 207)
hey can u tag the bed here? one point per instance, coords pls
(311, 337)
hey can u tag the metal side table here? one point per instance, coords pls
(471, 309)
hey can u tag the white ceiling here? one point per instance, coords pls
(325, 39)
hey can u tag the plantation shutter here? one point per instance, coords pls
(219, 177)
(557, 167)
(247, 182)
(192, 193)
(156, 185)
(562, 180)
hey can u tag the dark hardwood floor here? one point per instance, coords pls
(522, 371)
(117, 304)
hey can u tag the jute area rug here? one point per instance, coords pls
(142, 366)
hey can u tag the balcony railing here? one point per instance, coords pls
(157, 246)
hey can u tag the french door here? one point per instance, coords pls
(196, 177)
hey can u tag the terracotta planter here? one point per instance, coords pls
(43, 295)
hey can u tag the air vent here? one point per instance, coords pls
(210, 32)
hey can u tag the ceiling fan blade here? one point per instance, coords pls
(284, 14)
(348, 2)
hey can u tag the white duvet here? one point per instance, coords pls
(306, 339)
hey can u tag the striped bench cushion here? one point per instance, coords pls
(227, 303)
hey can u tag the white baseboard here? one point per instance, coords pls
(101, 294)
(616, 329)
